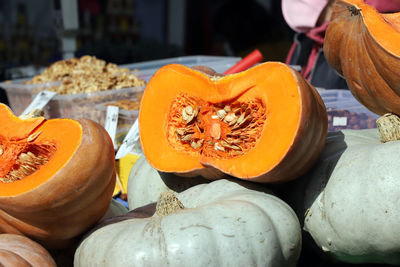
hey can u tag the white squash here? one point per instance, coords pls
(145, 184)
(352, 200)
(222, 224)
(115, 209)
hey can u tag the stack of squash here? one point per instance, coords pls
(233, 167)
(264, 125)
(257, 128)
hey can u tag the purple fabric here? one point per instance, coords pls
(302, 15)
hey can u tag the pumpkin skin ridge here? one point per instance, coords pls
(210, 166)
(30, 251)
(61, 196)
(372, 76)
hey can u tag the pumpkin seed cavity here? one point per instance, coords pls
(19, 159)
(221, 130)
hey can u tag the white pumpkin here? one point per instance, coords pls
(145, 184)
(222, 224)
(115, 209)
(352, 199)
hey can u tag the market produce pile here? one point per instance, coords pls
(86, 75)
(235, 170)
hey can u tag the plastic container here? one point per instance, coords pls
(126, 118)
(77, 106)
(20, 95)
(345, 112)
(145, 70)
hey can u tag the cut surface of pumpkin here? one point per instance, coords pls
(243, 124)
(362, 45)
(28, 150)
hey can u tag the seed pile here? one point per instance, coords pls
(219, 130)
(86, 75)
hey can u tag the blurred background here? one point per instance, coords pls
(35, 34)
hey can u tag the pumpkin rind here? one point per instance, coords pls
(72, 199)
(17, 250)
(352, 198)
(362, 45)
(289, 139)
(223, 224)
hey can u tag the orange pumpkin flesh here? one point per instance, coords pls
(265, 124)
(363, 46)
(56, 177)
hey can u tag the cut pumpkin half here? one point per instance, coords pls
(265, 124)
(56, 176)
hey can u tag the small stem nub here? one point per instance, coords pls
(389, 127)
(168, 203)
(355, 11)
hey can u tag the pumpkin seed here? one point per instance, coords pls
(198, 144)
(1, 150)
(188, 114)
(217, 146)
(33, 136)
(221, 114)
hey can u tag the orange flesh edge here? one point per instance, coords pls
(64, 134)
(385, 28)
(273, 83)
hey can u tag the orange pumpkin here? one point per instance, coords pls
(56, 176)
(265, 124)
(17, 250)
(363, 45)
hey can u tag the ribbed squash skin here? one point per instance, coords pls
(19, 251)
(363, 46)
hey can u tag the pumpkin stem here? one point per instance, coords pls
(168, 203)
(32, 114)
(389, 127)
(355, 11)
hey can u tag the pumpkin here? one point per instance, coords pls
(115, 209)
(56, 177)
(351, 198)
(145, 183)
(265, 124)
(17, 250)
(362, 45)
(216, 224)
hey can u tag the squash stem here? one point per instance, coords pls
(168, 203)
(389, 127)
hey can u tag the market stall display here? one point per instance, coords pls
(345, 112)
(80, 84)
